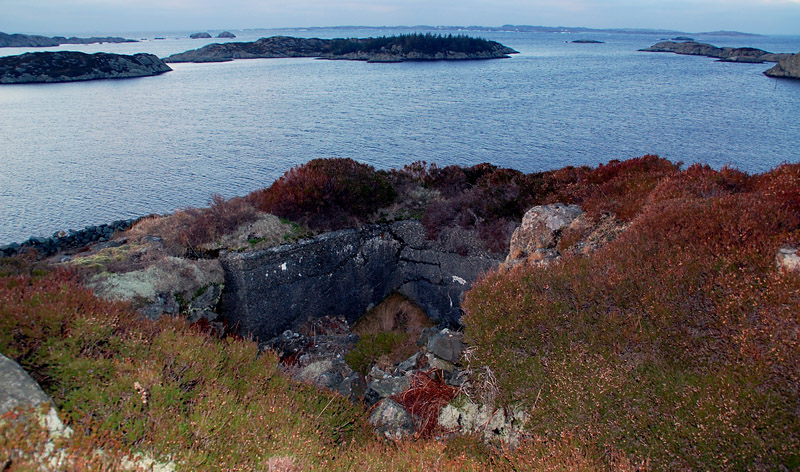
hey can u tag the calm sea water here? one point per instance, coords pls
(88, 153)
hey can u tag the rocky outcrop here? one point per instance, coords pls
(726, 54)
(587, 41)
(169, 286)
(36, 41)
(536, 238)
(788, 67)
(199, 35)
(70, 66)
(540, 239)
(350, 49)
(19, 391)
(226, 34)
(346, 273)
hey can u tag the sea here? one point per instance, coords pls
(87, 153)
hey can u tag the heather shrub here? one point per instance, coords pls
(483, 197)
(676, 343)
(189, 229)
(327, 194)
(618, 187)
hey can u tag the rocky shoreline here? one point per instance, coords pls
(65, 240)
(396, 49)
(70, 66)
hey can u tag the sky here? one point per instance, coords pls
(110, 16)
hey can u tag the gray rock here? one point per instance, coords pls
(207, 299)
(465, 417)
(353, 387)
(788, 259)
(163, 304)
(788, 67)
(19, 390)
(446, 345)
(346, 272)
(541, 227)
(409, 365)
(199, 35)
(70, 66)
(388, 387)
(391, 420)
(226, 34)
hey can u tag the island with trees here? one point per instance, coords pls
(404, 47)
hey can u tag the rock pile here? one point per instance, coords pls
(319, 359)
(65, 240)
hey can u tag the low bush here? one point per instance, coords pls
(677, 342)
(327, 194)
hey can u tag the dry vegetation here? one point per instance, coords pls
(674, 347)
(677, 343)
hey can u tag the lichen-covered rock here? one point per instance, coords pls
(19, 390)
(788, 259)
(538, 234)
(169, 285)
(465, 417)
(391, 420)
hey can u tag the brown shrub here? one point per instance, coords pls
(192, 227)
(676, 342)
(424, 400)
(327, 194)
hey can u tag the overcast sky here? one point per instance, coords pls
(107, 16)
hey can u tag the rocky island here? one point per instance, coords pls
(70, 66)
(788, 67)
(36, 41)
(410, 47)
(725, 54)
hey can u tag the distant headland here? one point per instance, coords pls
(405, 47)
(36, 41)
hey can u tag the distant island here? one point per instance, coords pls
(69, 66)
(405, 47)
(36, 41)
(587, 41)
(788, 64)
(726, 54)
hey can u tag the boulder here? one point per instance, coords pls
(446, 345)
(226, 35)
(540, 230)
(199, 35)
(466, 417)
(787, 259)
(168, 286)
(391, 420)
(19, 390)
(788, 67)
